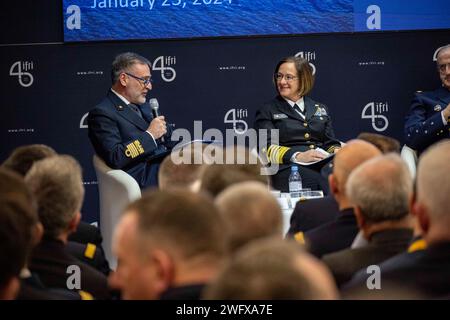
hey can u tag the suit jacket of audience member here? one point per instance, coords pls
(87, 233)
(382, 245)
(50, 260)
(426, 272)
(118, 135)
(90, 254)
(313, 213)
(31, 288)
(188, 292)
(424, 124)
(333, 236)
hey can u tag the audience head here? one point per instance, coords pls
(346, 160)
(379, 190)
(22, 158)
(384, 143)
(249, 212)
(293, 78)
(240, 166)
(13, 245)
(57, 185)
(167, 239)
(433, 188)
(443, 65)
(183, 168)
(13, 188)
(272, 269)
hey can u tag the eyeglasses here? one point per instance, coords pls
(443, 67)
(288, 77)
(144, 81)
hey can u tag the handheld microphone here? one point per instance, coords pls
(154, 105)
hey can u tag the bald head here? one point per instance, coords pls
(433, 182)
(350, 156)
(249, 211)
(381, 187)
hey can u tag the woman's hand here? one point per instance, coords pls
(309, 156)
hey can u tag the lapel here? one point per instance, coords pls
(125, 112)
(444, 96)
(285, 107)
(310, 107)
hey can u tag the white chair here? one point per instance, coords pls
(116, 190)
(409, 155)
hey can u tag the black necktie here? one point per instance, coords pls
(297, 108)
(136, 109)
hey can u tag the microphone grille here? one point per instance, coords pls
(154, 103)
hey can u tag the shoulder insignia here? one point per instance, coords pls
(134, 149)
(299, 237)
(90, 251)
(85, 295)
(417, 245)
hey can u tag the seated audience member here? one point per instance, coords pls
(249, 212)
(13, 248)
(339, 233)
(169, 244)
(379, 190)
(239, 165)
(86, 242)
(272, 269)
(428, 119)
(18, 197)
(384, 143)
(183, 168)
(426, 271)
(312, 213)
(57, 185)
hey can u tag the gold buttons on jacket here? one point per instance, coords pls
(305, 124)
(311, 146)
(307, 135)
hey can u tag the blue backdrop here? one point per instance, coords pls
(366, 79)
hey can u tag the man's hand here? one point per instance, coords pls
(446, 112)
(310, 156)
(157, 127)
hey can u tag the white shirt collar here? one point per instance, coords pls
(300, 102)
(121, 97)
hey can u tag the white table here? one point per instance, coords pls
(287, 204)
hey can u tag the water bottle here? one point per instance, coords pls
(295, 182)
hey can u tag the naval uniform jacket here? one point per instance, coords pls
(295, 133)
(118, 135)
(424, 125)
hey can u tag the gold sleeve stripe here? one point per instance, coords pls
(275, 153)
(134, 149)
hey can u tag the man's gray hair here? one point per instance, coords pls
(381, 188)
(124, 61)
(58, 186)
(433, 180)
